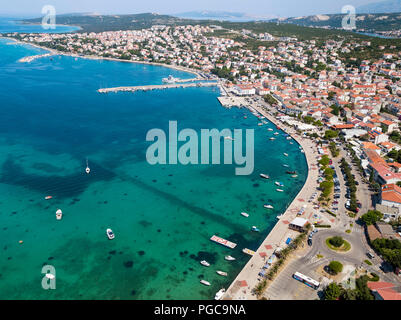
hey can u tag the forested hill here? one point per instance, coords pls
(364, 22)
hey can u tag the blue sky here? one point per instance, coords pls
(257, 7)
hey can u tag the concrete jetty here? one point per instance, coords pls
(158, 87)
(38, 56)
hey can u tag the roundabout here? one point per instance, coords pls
(338, 244)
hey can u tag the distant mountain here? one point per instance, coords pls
(221, 15)
(364, 22)
(388, 6)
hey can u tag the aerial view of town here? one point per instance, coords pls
(214, 151)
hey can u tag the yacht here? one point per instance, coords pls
(59, 214)
(286, 154)
(229, 258)
(206, 283)
(269, 129)
(110, 234)
(280, 190)
(255, 229)
(222, 273)
(220, 294)
(245, 214)
(268, 206)
(285, 165)
(265, 176)
(205, 263)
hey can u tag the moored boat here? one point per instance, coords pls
(286, 154)
(245, 214)
(280, 184)
(48, 197)
(59, 214)
(220, 294)
(294, 175)
(222, 273)
(229, 258)
(279, 216)
(206, 283)
(265, 176)
(290, 172)
(280, 190)
(268, 206)
(205, 263)
(272, 138)
(110, 234)
(256, 229)
(276, 133)
(248, 251)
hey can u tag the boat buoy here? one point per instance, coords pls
(21, 242)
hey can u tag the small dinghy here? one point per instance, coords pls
(110, 234)
(206, 283)
(59, 214)
(222, 273)
(205, 263)
(229, 258)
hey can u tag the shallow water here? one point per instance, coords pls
(52, 119)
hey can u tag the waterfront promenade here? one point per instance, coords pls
(243, 285)
(158, 87)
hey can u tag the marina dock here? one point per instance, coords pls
(223, 242)
(157, 87)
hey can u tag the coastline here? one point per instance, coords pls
(280, 232)
(55, 52)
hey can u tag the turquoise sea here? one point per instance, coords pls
(52, 119)
(15, 25)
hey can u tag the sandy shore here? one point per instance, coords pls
(55, 52)
(240, 290)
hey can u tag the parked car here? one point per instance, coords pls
(371, 256)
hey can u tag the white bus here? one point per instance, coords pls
(308, 281)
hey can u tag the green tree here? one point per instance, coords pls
(332, 291)
(371, 217)
(330, 134)
(336, 241)
(335, 267)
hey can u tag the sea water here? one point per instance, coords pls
(52, 119)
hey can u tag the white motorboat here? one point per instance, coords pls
(220, 294)
(206, 283)
(265, 176)
(272, 138)
(245, 214)
(205, 263)
(222, 273)
(285, 165)
(59, 214)
(87, 170)
(280, 184)
(286, 154)
(229, 258)
(268, 206)
(110, 234)
(276, 133)
(254, 228)
(269, 129)
(294, 175)
(280, 190)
